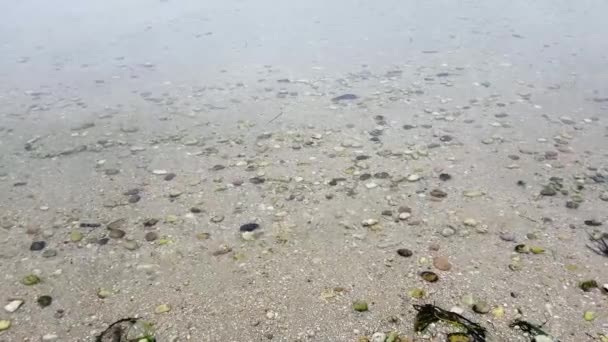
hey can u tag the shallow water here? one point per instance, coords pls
(235, 99)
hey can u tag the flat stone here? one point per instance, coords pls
(49, 253)
(447, 232)
(13, 305)
(160, 172)
(404, 252)
(37, 245)
(369, 222)
(217, 219)
(470, 222)
(116, 233)
(481, 307)
(413, 178)
(131, 245)
(507, 236)
(151, 236)
(404, 216)
(604, 196)
(50, 337)
(442, 263)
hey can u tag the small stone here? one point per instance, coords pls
(4, 324)
(360, 306)
(369, 222)
(507, 236)
(468, 300)
(589, 316)
(103, 293)
(13, 305)
(49, 337)
(30, 279)
(442, 263)
(44, 301)
(169, 176)
(159, 172)
(431, 277)
(438, 193)
(417, 293)
(413, 178)
(447, 232)
(175, 193)
(445, 177)
(537, 250)
(371, 185)
(593, 223)
(150, 222)
(404, 252)
(151, 236)
(481, 307)
(588, 285)
(116, 233)
(434, 246)
(116, 224)
(378, 337)
(49, 253)
(404, 216)
(470, 222)
(76, 236)
(217, 219)
(195, 210)
(572, 205)
(473, 193)
(171, 219)
(134, 198)
(249, 227)
(162, 308)
(111, 172)
(604, 196)
(130, 245)
(203, 236)
(548, 191)
(37, 245)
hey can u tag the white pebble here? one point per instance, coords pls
(159, 172)
(13, 306)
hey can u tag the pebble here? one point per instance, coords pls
(249, 227)
(481, 307)
(369, 222)
(444, 177)
(4, 324)
(162, 308)
(404, 252)
(150, 222)
(378, 337)
(447, 232)
(116, 233)
(434, 246)
(151, 236)
(404, 216)
(507, 236)
(442, 263)
(76, 236)
(470, 222)
(438, 193)
(360, 306)
(13, 305)
(44, 301)
(50, 337)
(49, 253)
(134, 198)
(169, 176)
(413, 178)
(604, 196)
(131, 245)
(103, 293)
(30, 279)
(37, 245)
(371, 185)
(160, 172)
(431, 277)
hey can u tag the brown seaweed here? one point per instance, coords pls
(428, 314)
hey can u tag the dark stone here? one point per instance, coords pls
(37, 245)
(408, 127)
(217, 167)
(111, 172)
(249, 227)
(345, 97)
(134, 198)
(362, 157)
(335, 181)
(443, 74)
(381, 175)
(44, 301)
(387, 212)
(404, 252)
(151, 236)
(365, 176)
(445, 177)
(257, 180)
(117, 233)
(593, 223)
(548, 191)
(90, 225)
(169, 176)
(572, 205)
(103, 241)
(195, 210)
(445, 138)
(521, 183)
(439, 193)
(150, 222)
(132, 192)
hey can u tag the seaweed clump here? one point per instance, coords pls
(429, 314)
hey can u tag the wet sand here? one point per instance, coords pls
(207, 117)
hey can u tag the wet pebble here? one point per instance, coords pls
(151, 236)
(116, 233)
(49, 253)
(404, 252)
(130, 245)
(442, 263)
(438, 193)
(249, 227)
(44, 301)
(37, 245)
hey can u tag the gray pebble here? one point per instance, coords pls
(49, 253)
(604, 196)
(447, 232)
(116, 233)
(131, 245)
(481, 307)
(507, 236)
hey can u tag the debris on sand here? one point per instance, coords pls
(128, 330)
(429, 314)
